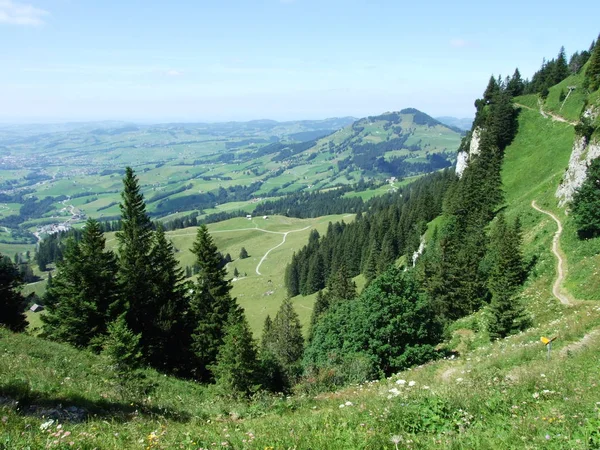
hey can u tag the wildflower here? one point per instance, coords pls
(458, 380)
(396, 440)
(348, 403)
(547, 437)
(401, 382)
(46, 425)
(411, 383)
(426, 387)
(542, 375)
(342, 405)
(536, 395)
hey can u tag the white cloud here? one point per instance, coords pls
(21, 14)
(173, 73)
(458, 43)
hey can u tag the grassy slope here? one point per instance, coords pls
(501, 395)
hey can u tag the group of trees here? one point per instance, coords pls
(392, 227)
(137, 304)
(467, 264)
(143, 286)
(12, 303)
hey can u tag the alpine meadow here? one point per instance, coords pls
(396, 281)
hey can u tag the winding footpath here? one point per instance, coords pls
(278, 245)
(556, 289)
(547, 114)
(256, 228)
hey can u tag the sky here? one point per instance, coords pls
(221, 60)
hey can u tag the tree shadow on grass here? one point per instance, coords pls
(19, 396)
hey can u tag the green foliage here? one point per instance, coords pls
(390, 323)
(123, 350)
(12, 302)
(506, 276)
(592, 73)
(586, 203)
(283, 342)
(243, 253)
(135, 268)
(166, 340)
(211, 304)
(84, 295)
(237, 368)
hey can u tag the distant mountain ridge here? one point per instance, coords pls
(463, 124)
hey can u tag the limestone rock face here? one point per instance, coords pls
(581, 156)
(463, 158)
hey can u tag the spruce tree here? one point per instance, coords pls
(341, 286)
(592, 73)
(211, 305)
(167, 341)
(12, 303)
(135, 265)
(586, 202)
(243, 253)
(515, 86)
(287, 342)
(507, 274)
(320, 307)
(272, 375)
(237, 368)
(83, 297)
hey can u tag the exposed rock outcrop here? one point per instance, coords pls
(463, 158)
(581, 156)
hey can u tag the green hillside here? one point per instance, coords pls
(514, 392)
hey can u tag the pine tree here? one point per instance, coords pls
(507, 274)
(83, 297)
(592, 73)
(167, 342)
(341, 287)
(236, 273)
(320, 307)
(12, 303)
(491, 90)
(287, 343)
(586, 201)
(243, 253)
(272, 374)
(515, 86)
(211, 305)
(135, 265)
(122, 348)
(237, 368)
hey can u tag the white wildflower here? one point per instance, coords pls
(411, 383)
(401, 382)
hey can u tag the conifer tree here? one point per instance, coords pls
(341, 286)
(135, 266)
(12, 303)
(592, 73)
(211, 305)
(286, 342)
(83, 297)
(243, 253)
(166, 341)
(515, 86)
(586, 201)
(491, 90)
(320, 307)
(123, 350)
(237, 368)
(507, 274)
(272, 375)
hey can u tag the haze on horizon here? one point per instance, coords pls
(275, 59)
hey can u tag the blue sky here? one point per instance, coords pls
(211, 60)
